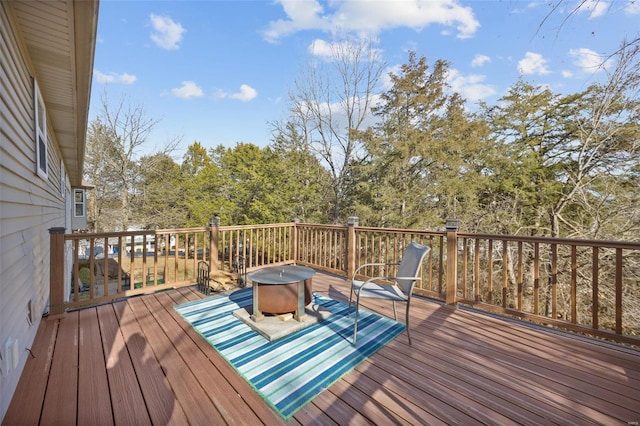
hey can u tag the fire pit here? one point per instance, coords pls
(280, 290)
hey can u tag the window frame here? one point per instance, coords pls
(77, 203)
(41, 141)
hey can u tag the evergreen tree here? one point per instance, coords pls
(424, 155)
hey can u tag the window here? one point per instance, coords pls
(79, 203)
(41, 133)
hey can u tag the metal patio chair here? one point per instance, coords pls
(400, 290)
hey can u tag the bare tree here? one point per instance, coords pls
(331, 99)
(116, 140)
(604, 159)
(581, 5)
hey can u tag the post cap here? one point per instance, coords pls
(452, 224)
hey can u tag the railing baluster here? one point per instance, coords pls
(75, 285)
(536, 279)
(618, 287)
(92, 267)
(574, 285)
(465, 260)
(505, 262)
(594, 284)
(554, 281)
(490, 272)
(476, 270)
(520, 276)
(430, 263)
(441, 265)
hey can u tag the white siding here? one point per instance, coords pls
(29, 206)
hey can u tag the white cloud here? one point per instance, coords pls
(480, 60)
(111, 77)
(189, 89)
(470, 87)
(387, 83)
(595, 8)
(332, 51)
(526, 8)
(321, 49)
(245, 94)
(567, 74)
(303, 15)
(370, 17)
(587, 59)
(533, 63)
(166, 33)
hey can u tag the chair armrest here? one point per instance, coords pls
(374, 279)
(407, 278)
(392, 278)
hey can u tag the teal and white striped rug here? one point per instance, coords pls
(291, 371)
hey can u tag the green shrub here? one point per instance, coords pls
(85, 275)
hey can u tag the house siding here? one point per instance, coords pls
(29, 206)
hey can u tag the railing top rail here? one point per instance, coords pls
(554, 240)
(85, 236)
(317, 225)
(271, 225)
(628, 245)
(181, 230)
(400, 231)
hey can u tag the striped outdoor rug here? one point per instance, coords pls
(291, 371)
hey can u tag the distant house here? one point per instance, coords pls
(46, 63)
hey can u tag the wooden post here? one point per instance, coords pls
(351, 245)
(214, 224)
(56, 271)
(452, 227)
(294, 240)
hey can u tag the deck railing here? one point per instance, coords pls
(582, 285)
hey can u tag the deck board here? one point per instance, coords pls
(126, 396)
(159, 399)
(138, 362)
(61, 397)
(549, 374)
(94, 405)
(224, 384)
(180, 378)
(33, 381)
(212, 384)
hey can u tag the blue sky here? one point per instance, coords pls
(219, 72)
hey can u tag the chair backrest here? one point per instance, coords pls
(410, 265)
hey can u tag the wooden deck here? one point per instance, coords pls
(137, 362)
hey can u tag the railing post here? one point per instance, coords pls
(214, 225)
(352, 222)
(294, 240)
(56, 271)
(452, 227)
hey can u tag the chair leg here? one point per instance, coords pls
(355, 321)
(350, 297)
(407, 323)
(395, 316)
